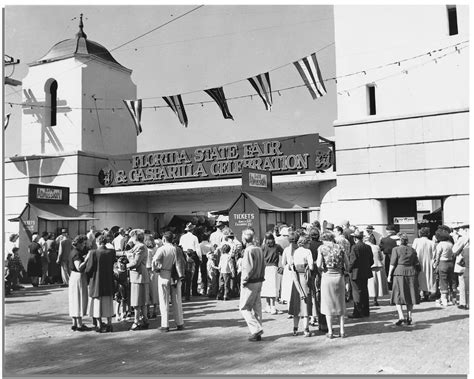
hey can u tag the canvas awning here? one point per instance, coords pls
(55, 212)
(268, 202)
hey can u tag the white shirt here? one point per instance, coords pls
(190, 241)
(217, 237)
(118, 242)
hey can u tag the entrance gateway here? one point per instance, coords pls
(195, 181)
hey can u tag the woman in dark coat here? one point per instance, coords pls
(34, 267)
(100, 271)
(403, 273)
(54, 271)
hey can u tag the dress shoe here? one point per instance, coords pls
(135, 327)
(180, 327)
(400, 322)
(74, 328)
(462, 307)
(83, 328)
(256, 337)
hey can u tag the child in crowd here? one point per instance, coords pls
(213, 272)
(122, 287)
(226, 273)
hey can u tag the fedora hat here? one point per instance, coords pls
(369, 227)
(189, 226)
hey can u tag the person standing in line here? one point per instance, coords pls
(272, 253)
(386, 246)
(139, 280)
(253, 274)
(77, 291)
(300, 305)
(164, 261)
(404, 267)
(361, 260)
(425, 249)
(34, 266)
(153, 299)
(287, 281)
(91, 243)
(206, 248)
(377, 284)
(216, 238)
(54, 271)
(461, 266)
(317, 318)
(118, 241)
(64, 250)
(347, 231)
(44, 259)
(281, 239)
(190, 244)
(226, 272)
(370, 234)
(100, 271)
(444, 262)
(333, 264)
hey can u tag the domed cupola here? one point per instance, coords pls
(79, 46)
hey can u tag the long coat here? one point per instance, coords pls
(137, 264)
(100, 271)
(361, 260)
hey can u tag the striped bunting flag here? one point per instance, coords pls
(6, 121)
(135, 109)
(309, 70)
(176, 104)
(218, 95)
(261, 84)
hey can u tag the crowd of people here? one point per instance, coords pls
(310, 273)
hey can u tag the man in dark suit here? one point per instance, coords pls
(386, 245)
(360, 261)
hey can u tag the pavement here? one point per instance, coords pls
(38, 341)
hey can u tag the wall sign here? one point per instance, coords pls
(278, 155)
(256, 180)
(404, 220)
(48, 194)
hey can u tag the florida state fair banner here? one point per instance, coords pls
(278, 155)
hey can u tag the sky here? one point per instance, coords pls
(210, 47)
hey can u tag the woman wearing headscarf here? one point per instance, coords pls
(100, 271)
(139, 280)
(425, 249)
(403, 273)
(34, 266)
(77, 291)
(300, 266)
(272, 252)
(333, 263)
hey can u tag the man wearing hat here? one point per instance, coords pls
(386, 245)
(361, 260)
(217, 237)
(370, 234)
(65, 247)
(190, 245)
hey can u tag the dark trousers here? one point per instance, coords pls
(224, 286)
(387, 268)
(360, 295)
(315, 287)
(204, 275)
(197, 266)
(186, 285)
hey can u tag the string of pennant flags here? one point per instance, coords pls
(307, 67)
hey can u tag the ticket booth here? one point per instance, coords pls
(257, 207)
(48, 210)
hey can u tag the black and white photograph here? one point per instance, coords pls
(220, 190)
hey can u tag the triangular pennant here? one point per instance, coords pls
(309, 70)
(6, 121)
(218, 95)
(261, 84)
(135, 109)
(176, 104)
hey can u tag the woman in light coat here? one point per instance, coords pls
(377, 284)
(425, 249)
(139, 280)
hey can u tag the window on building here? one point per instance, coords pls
(452, 20)
(371, 99)
(53, 92)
